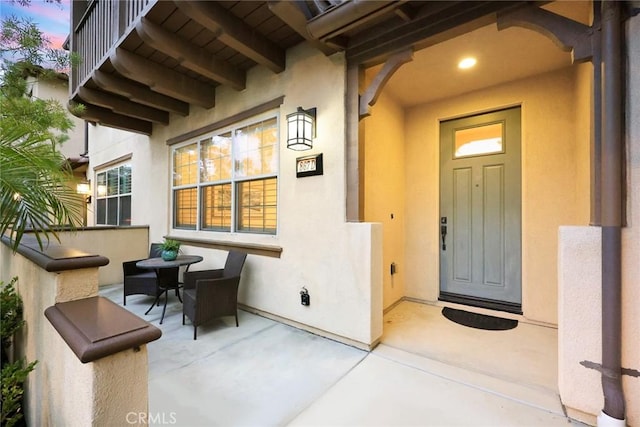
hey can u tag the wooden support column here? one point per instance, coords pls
(355, 146)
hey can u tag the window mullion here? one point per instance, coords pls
(234, 209)
(228, 161)
(199, 212)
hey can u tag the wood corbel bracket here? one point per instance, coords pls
(568, 34)
(371, 94)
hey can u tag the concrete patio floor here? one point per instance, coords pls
(427, 371)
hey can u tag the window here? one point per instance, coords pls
(113, 200)
(228, 180)
(479, 140)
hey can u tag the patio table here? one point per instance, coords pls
(157, 264)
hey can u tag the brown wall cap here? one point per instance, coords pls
(55, 257)
(96, 327)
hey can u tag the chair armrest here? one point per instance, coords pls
(191, 277)
(129, 268)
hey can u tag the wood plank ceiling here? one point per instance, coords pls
(181, 51)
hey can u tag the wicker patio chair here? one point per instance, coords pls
(209, 294)
(140, 281)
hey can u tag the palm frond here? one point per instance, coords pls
(34, 188)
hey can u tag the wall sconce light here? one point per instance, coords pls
(301, 129)
(84, 188)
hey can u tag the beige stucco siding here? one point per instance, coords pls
(583, 105)
(631, 233)
(384, 188)
(338, 262)
(106, 145)
(58, 90)
(550, 152)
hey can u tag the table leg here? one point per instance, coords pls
(157, 300)
(166, 298)
(165, 291)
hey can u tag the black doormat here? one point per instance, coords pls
(478, 321)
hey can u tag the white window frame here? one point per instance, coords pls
(234, 180)
(104, 196)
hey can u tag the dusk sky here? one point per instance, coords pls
(51, 18)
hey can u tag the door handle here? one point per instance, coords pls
(443, 232)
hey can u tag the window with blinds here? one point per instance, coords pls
(228, 180)
(113, 198)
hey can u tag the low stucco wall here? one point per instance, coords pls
(346, 291)
(580, 326)
(116, 243)
(579, 320)
(62, 391)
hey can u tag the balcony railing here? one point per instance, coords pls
(99, 29)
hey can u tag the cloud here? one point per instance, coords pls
(56, 40)
(51, 18)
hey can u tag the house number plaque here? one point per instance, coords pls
(309, 165)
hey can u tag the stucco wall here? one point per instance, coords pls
(117, 244)
(58, 90)
(550, 151)
(631, 233)
(579, 332)
(62, 391)
(583, 105)
(338, 262)
(579, 320)
(106, 145)
(385, 188)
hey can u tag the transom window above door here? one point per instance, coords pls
(228, 180)
(478, 140)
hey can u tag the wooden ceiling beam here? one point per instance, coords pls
(161, 79)
(93, 113)
(433, 23)
(189, 55)
(348, 15)
(291, 13)
(236, 34)
(139, 94)
(122, 106)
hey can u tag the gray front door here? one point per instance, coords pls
(480, 210)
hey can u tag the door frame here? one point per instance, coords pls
(511, 263)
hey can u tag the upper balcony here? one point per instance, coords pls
(143, 60)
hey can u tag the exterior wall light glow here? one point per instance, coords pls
(467, 63)
(301, 129)
(85, 189)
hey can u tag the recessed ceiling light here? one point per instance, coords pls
(467, 63)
